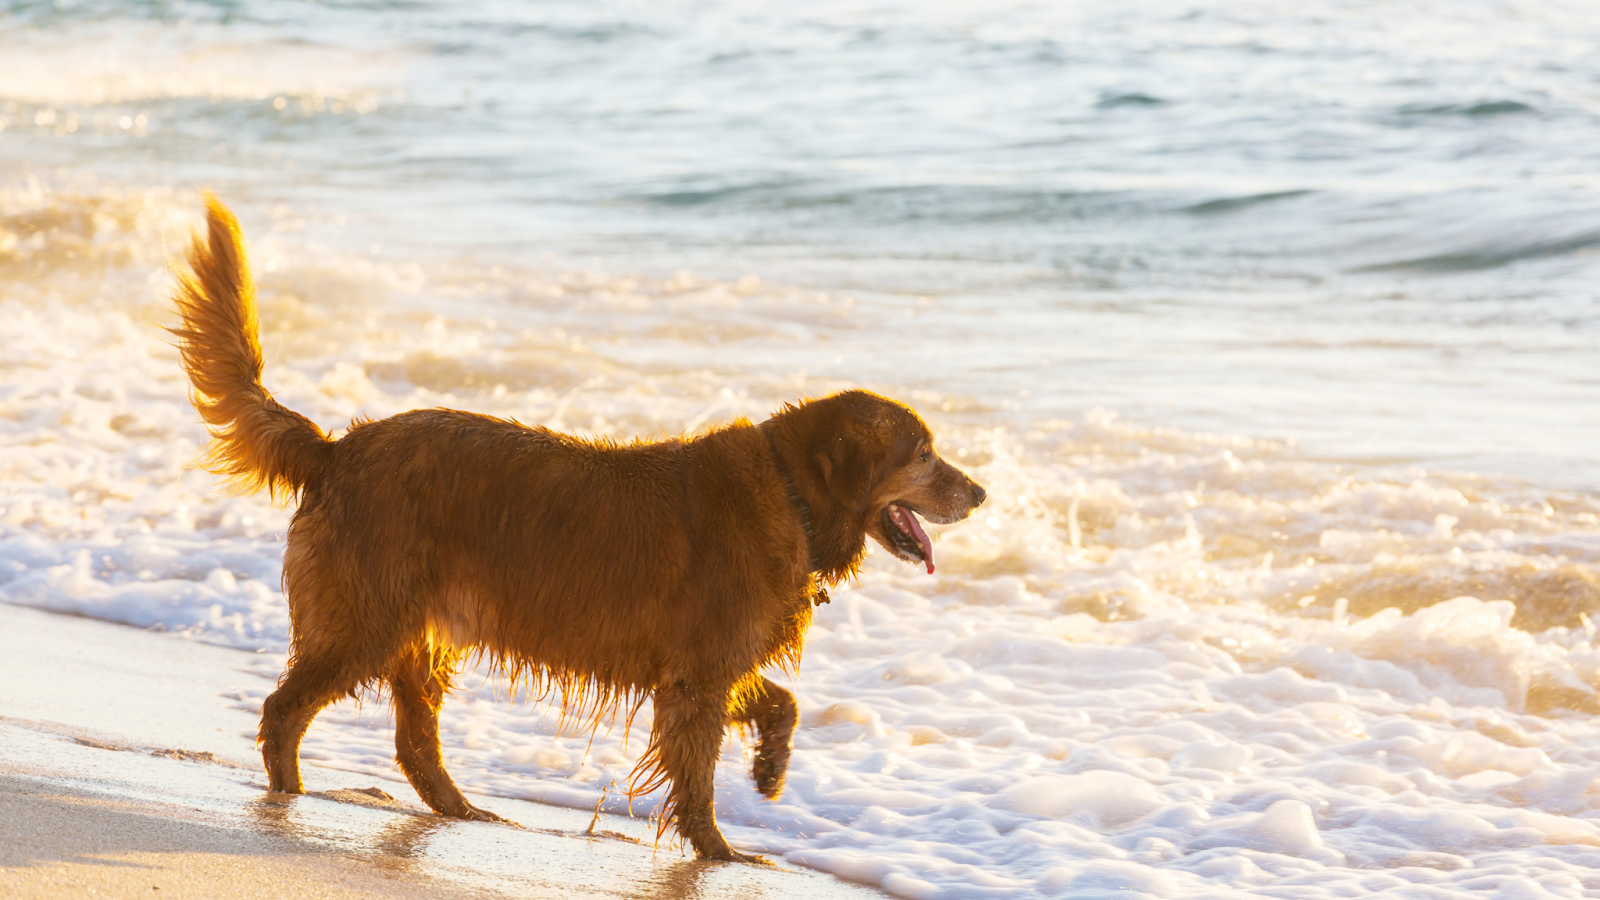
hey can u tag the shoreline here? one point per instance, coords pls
(124, 773)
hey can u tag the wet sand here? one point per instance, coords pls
(125, 773)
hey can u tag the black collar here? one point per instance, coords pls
(801, 507)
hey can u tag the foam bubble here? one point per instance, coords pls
(1287, 827)
(1107, 799)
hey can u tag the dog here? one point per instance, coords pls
(674, 570)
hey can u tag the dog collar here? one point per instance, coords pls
(819, 594)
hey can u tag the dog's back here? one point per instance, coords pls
(543, 549)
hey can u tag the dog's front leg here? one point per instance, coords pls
(773, 712)
(685, 740)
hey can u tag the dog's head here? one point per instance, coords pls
(876, 460)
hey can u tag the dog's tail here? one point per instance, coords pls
(255, 442)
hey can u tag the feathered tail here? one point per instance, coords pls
(255, 442)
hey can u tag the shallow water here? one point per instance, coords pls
(1255, 321)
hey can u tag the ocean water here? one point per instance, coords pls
(1271, 329)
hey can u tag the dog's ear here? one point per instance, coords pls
(846, 471)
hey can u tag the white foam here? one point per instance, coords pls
(1286, 828)
(1105, 800)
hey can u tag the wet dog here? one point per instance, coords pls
(674, 570)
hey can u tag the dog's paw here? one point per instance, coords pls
(735, 856)
(474, 814)
(769, 773)
(713, 847)
(769, 784)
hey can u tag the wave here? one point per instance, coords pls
(1493, 256)
(1479, 109)
(90, 69)
(48, 235)
(1133, 98)
(1233, 204)
(806, 203)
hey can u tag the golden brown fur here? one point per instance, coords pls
(674, 570)
(257, 442)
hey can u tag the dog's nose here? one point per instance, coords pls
(979, 495)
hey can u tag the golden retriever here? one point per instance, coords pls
(674, 570)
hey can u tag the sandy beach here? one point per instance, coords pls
(124, 773)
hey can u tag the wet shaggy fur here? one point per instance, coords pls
(673, 570)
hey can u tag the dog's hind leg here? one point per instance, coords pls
(308, 686)
(772, 710)
(684, 744)
(418, 684)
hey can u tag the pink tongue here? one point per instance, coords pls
(908, 521)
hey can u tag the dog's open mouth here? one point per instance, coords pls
(906, 534)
